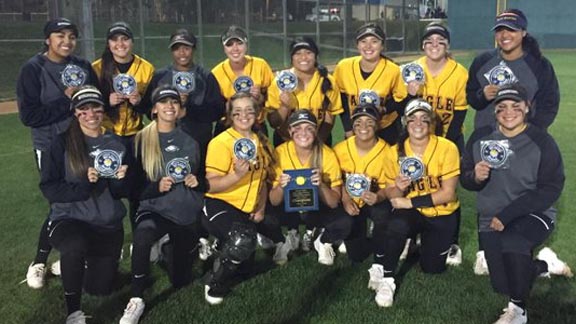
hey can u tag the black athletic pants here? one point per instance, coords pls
(88, 258)
(435, 232)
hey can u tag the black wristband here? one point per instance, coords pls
(422, 201)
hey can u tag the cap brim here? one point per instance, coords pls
(302, 122)
(87, 101)
(225, 41)
(508, 97)
(187, 43)
(368, 33)
(415, 110)
(360, 114)
(507, 25)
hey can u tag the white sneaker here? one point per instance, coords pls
(406, 249)
(555, 265)
(454, 255)
(513, 315)
(293, 239)
(342, 248)
(265, 242)
(78, 317)
(212, 300)
(376, 272)
(385, 292)
(281, 255)
(36, 275)
(306, 243)
(55, 269)
(480, 265)
(205, 249)
(133, 311)
(325, 252)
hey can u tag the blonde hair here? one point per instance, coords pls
(147, 144)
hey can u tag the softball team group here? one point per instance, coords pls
(388, 188)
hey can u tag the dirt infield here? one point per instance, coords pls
(8, 107)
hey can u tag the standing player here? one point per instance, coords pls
(124, 111)
(444, 88)
(168, 161)
(237, 194)
(371, 77)
(199, 89)
(86, 210)
(516, 59)
(363, 195)
(517, 170)
(44, 88)
(421, 177)
(316, 91)
(305, 151)
(232, 72)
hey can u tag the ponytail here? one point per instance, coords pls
(530, 45)
(76, 149)
(147, 146)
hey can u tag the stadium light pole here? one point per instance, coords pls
(87, 27)
(285, 31)
(142, 36)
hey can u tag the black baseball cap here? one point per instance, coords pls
(234, 32)
(370, 29)
(163, 92)
(436, 28)
(119, 27)
(182, 36)
(302, 116)
(86, 95)
(366, 109)
(514, 92)
(511, 18)
(417, 105)
(59, 24)
(303, 42)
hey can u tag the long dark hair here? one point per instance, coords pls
(76, 149)
(106, 80)
(530, 45)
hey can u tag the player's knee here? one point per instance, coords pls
(240, 244)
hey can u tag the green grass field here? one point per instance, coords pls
(303, 291)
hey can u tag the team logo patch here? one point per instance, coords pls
(178, 169)
(412, 167)
(369, 96)
(287, 81)
(500, 75)
(245, 149)
(356, 184)
(184, 82)
(124, 84)
(412, 72)
(243, 84)
(107, 163)
(495, 152)
(73, 76)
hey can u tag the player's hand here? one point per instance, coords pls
(370, 198)
(92, 175)
(256, 92)
(257, 216)
(316, 178)
(134, 98)
(183, 98)
(284, 180)
(490, 91)
(481, 171)
(241, 167)
(121, 172)
(116, 99)
(165, 184)
(413, 87)
(285, 98)
(191, 181)
(402, 182)
(69, 91)
(496, 224)
(350, 207)
(401, 203)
